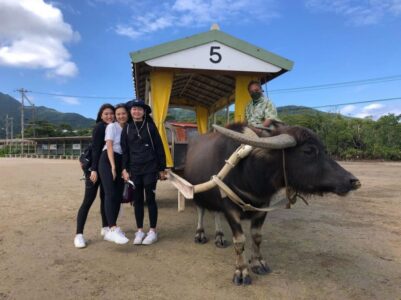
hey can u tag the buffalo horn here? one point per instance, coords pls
(281, 141)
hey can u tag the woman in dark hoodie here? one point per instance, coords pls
(144, 162)
(105, 116)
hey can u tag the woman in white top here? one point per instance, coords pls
(110, 164)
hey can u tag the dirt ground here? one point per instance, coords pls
(337, 248)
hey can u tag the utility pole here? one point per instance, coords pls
(7, 129)
(22, 91)
(12, 127)
(33, 121)
(12, 134)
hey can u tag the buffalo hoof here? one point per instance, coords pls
(219, 240)
(247, 280)
(200, 237)
(260, 267)
(237, 279)
(242, 278)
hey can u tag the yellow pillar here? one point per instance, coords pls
(241, 96)
(161, 83)
(202, 115)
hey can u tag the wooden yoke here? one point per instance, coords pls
(187, 190)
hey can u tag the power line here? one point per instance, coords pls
(276, 91)
(79, 96)
(358, 102)
(305, 108)
(314, 107)
(338, 84)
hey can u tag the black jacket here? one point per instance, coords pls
(143, 151)
(98, 134)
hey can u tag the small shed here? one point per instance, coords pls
(206, 71)
(61, 146)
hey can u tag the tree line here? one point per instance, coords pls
(344, 137)
(349, 138)
(46, 129)
(354, 138)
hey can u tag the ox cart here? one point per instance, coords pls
(207, 72)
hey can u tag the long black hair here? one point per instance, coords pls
(101, 109)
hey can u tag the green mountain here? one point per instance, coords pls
(187, 115)
(11, 107)
(294, 110)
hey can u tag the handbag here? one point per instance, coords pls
(127, 193)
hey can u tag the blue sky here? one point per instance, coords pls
(82, 47)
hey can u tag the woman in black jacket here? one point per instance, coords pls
(144, 162)
(92, 182)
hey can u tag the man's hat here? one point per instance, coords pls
(139, 103)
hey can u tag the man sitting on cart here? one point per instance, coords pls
(260, 111)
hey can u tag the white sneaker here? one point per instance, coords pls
(151, 237)
(79, 241)
(104, 230)
(139, 236)
(116, 235)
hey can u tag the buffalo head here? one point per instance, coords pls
(309, 169)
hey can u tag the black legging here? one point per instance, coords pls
(138, 196)
(90, 196)
(113, 189)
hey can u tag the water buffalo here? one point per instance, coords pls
(256, 178)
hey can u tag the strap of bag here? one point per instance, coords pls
(150, 136)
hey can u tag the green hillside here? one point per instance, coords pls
(344, 137)
(187, 115)
(12, 107)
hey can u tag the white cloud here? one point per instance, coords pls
(372, 110)
(148, 18)
(373, 107)
(376, 110)
(69, 100)
(66, 69)
(33, 34)
(347, 109)
(127, 31)
(358, 12)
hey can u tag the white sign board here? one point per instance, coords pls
(213, 56)
(76, 147)
(53, 147)
(45, 146)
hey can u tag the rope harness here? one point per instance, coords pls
(225, 191)
(291, 194)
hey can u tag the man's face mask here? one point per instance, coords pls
(256, 95)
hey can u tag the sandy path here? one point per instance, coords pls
(337, 248)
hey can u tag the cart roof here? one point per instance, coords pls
(205, 66)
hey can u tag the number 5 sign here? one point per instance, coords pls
(213, 56)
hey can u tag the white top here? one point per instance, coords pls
(113, 133)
